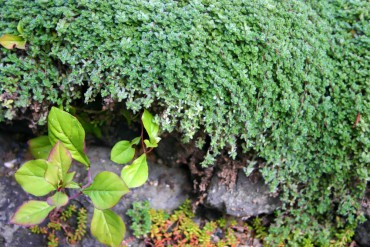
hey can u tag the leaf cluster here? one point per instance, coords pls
(50, 173)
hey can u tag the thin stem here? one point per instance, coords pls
(89, 176)
(65, 229)
(90, 111)
(75, 195)
(142, 137)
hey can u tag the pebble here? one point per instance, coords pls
(10, 164)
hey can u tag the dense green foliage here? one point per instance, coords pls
(286, 79)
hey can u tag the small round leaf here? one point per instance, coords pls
(136, 174)
(122, 152)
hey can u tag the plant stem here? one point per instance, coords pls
(142, 137)
(75, 195)
(89, 176)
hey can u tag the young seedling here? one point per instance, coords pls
(49, 175)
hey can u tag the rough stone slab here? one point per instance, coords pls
(246, 199)
(167, 187)
(362, 233)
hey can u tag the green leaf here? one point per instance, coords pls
(51, 175)
(40, 147)
(106, 190)
(136, 174)
(73, 185)
(61, 158)
(59, 199)
(31, 213)
(151, 128)
(68, 183)
(10, 41)
(31, 176)
(65, 128)
(122, 152)
(20, 27)
(69, 177)
(107, 227)
(149, 144)
(136, 141)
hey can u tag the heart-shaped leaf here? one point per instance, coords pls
(122, 152)
(136, 174)
(106, 190)
(31, 213)
(64, 127)
(107, 227)
(10, 41)
(151, 128)
(60, 157)
(59, 199)
(31, 176)
(40, 147)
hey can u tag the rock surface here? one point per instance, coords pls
(362, 235)
(246, 199)
(167, 188)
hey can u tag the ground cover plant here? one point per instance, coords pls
(49, 173)
(158, 228)
(179, 228)
(63, 225)
(288, 80)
